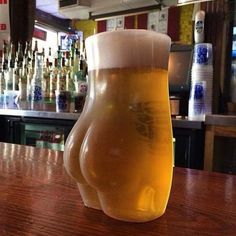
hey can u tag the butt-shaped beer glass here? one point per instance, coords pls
(120, 150)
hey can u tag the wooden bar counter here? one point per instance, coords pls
(37, 197)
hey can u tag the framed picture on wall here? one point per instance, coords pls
(115, 23)
(158, 21)
(120, 23)
(65, 43)
(40, 34)
(67, 40)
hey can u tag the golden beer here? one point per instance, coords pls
(120, 150)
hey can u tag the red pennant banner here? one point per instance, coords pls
(3, 26)
(3, 2)
(4, 22)
(4, 16)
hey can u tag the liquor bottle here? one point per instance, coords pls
(61, 75)
(35, 47)
(28, 53)
(9, 71)
(59, 56)
(12, 55)
(69, 72)
(9, 78)
(43, 53)
(30, 72)
(3, 68)
(20, 55)
(23, 82)
(5, 56)
(26, 50)
(50, 58)
(72, 51)
(53, 80)
(2, 81)
(35, 50)
(16, 76)
(36, 84)
(76, 61)
(46, 80)
(81, 86)
(2, 87)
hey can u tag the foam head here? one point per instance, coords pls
(127, 49)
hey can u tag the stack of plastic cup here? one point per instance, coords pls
(200, 101)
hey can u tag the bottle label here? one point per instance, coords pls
(11, 99)
(63, 99)
(37, 94)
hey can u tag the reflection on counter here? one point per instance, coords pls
(43, 136)
(37, 131)
(73, 104)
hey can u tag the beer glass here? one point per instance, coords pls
(120, 151)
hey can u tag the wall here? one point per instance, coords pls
(51, 41)
(88, 27)
(183, 24)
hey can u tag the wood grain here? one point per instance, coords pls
(211, 132)
(209, 148)
(37, 197)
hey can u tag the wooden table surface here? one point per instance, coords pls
(37, 197)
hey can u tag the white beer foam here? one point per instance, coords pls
(127, 49)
